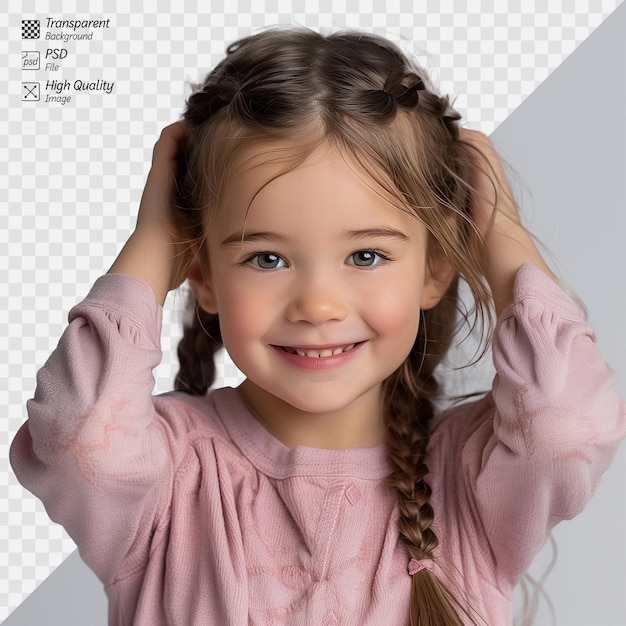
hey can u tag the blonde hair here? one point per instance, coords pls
(360, 94)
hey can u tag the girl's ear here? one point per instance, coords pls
(201, 285)
(439, 276)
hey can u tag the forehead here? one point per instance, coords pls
(278, 181)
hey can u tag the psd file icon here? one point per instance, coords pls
(30, 60)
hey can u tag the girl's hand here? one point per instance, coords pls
(155, 209)
(494, 210)
(155, 252)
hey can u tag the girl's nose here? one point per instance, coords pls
(316, 306)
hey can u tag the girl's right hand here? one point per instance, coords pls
(155, 252)
(155, 209)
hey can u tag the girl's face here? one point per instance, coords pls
(318, 286)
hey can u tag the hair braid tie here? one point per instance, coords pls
(416, 565)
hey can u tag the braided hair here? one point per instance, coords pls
(361, 94)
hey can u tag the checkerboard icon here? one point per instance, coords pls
(30, 29)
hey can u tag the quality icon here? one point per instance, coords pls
(30, 92)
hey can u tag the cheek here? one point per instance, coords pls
(243, 314)
(398, 323)
(393, 309)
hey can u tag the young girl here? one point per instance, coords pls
(326, 203)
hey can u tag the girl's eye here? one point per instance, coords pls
(267, 261)
(366, 258)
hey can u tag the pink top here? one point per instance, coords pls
(190, 512)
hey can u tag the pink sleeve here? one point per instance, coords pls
(557, 424)
(93, 449)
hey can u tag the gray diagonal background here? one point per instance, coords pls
(567, 143)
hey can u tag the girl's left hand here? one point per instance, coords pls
(495, 213)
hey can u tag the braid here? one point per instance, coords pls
(410, 392)
(408, 90)
(407, 439)
(408, 413)
(201, 340)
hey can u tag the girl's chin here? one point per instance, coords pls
(313, 401)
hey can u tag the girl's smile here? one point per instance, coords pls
(319, 294)
(321, 357)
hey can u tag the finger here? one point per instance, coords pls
(170, 142)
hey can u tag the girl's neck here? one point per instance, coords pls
(359, 426)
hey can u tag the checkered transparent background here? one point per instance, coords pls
(71, 176)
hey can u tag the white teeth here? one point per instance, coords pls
(317, 354)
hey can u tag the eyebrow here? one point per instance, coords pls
(355, 235)
(246, 237)
(385, 232)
